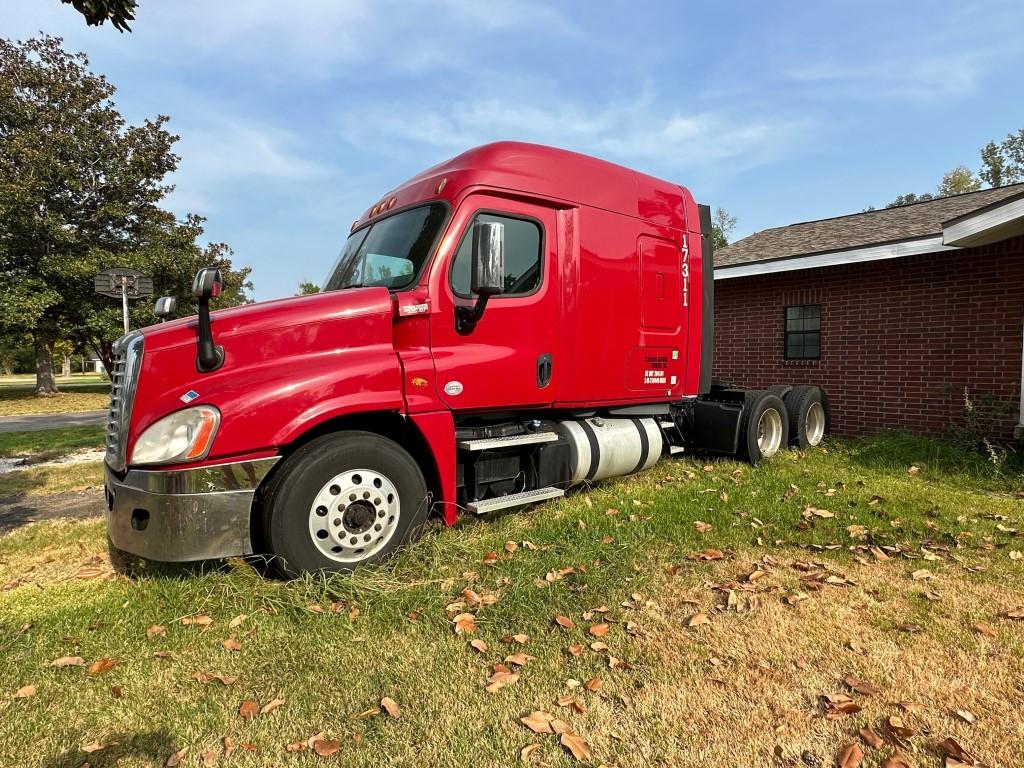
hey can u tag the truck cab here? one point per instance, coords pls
(500, 327)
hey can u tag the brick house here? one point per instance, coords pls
(896, 312)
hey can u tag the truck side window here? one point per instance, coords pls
(522, 256)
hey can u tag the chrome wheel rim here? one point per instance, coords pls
(354, 515)
(769, 432)
(815, 424)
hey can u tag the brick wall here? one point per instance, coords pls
(900, 338)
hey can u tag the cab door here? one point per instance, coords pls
(509, 359)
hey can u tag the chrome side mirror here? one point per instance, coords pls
(487, 277)
(487, 272)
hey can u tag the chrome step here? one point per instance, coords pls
(514, 500)
(486, 443)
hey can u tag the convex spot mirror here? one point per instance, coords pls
(487, 277)
(165, 307)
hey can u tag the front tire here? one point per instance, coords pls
(341, 501)
(765, 427)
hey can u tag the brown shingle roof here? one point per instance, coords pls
(860, 229)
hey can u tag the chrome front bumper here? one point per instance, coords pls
(185, 514)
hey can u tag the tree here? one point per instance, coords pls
(1003, 163)
(80, 192)
(722, 225)
(910, 198)
(96, 12)
(306, 288)
(958, 181)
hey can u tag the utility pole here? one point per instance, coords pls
(123, 283)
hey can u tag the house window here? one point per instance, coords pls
(803, 332)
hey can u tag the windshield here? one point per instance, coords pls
(390, 252)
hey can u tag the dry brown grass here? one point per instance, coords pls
(729, 693)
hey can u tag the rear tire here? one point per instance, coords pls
(341, 501)
(809, 416)
(764, 429)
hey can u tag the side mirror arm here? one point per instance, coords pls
(206, 286)
(466, 318)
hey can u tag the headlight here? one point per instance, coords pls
(183, 436)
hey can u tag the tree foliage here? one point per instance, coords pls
(306, 287)
(96, 12)
(722, 226)
(80, 192)
(1003, 163)
(958, 181)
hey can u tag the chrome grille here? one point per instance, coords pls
(124, 380)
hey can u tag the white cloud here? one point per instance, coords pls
(639, 131)
(229, 151)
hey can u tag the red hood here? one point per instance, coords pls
(288, 365)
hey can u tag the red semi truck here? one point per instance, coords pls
(503, 326)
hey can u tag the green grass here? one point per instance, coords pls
(46, 444)
(329, 666)
(22, 400)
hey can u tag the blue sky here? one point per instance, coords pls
(296, 116)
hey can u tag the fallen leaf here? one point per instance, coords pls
(593, 684)
(598, 630)
(1015, 613)
(922, 574)
(117, 691)
(517, 638)
(702, 527)
(157, 630)
(913, 470)
(175, 760)
(860, 686)
(500, 679)
(529, 749)
(25, 692)
(871, 738)
(479, 645)
(100, 666)
(270, 706)
(88, 572)
(68, 661)
(209, 758)
(966, 715)
(565, 622)
(897, 760)
(698, 620)
(235, 622)
(985, 629)
(911, 628)
(576, 745)
(326, 747)
(199, 620)
(231, 644)
(575, 649)
(538, 721)
(519, 659)
(295, 746)
(390, 706)
(465, 623)
(850, 756)
(94, 746)
(248, 709)
(839, 705)
(951, 747)
(707, 554)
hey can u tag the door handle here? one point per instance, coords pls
(544, 368)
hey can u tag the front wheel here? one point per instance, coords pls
(341, 501)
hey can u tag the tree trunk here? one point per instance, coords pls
(65, 368)
(45, 385)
